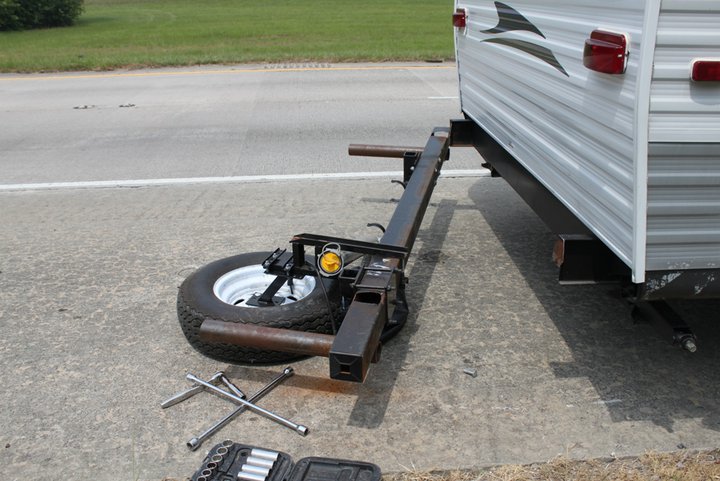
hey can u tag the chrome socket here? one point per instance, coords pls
(245, 476)
(261, 462)
(264, 454)
(256, 470)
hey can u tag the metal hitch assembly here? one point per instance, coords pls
(373, 291)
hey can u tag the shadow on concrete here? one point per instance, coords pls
(374, 395)
(637, 374)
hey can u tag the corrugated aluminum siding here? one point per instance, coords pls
(684, 160)
(683, 206)
(573, 132)
(682, 110)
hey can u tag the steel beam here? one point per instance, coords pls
(405, 222)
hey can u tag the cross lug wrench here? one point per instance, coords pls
(195, 443)
(298, 428)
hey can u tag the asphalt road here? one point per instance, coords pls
(89, 276)
(233, 121)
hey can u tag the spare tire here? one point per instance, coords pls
(220, 291)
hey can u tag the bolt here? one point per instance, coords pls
(688, 344)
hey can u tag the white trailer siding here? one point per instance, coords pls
(683, 225)
(683, 206)
(682, 110)
(571, 128)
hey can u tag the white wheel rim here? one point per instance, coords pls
(240, 285)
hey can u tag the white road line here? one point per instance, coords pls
(246, 179)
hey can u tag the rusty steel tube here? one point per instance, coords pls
(266, 338)
(397, 151)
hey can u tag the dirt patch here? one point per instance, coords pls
(680, 465)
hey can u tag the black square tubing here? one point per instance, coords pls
(298, 428)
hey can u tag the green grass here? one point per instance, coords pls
(137, 33)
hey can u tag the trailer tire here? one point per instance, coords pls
(218, 291)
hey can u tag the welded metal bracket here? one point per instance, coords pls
(584, 259)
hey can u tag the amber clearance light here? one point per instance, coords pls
(330, 261)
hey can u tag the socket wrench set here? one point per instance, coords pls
(229, 461)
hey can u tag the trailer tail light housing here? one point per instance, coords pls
(606, 52)
(460, 18)
(706, 71)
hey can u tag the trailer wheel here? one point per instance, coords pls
(220, 291)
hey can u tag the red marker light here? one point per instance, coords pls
(706, 71)
(460, 18)
(606, 52)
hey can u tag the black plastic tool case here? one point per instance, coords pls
(307, 469)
